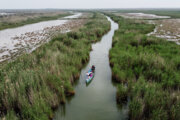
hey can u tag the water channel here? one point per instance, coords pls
(97, 101)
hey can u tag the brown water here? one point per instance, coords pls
(97, 101)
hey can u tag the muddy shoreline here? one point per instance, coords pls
(167, 29)
(29, 41)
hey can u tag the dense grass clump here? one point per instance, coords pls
(34, 84)
(150, 68)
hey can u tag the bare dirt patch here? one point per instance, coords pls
(140, 16)
(168, 29)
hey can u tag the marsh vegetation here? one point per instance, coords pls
(147, 70)
(34, 84)
(166, 21)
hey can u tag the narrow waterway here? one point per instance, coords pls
(97, 101)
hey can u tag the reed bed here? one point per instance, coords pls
(33, 85)
(146, 70)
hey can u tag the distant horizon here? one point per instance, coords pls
(78, 8)
(88, 4)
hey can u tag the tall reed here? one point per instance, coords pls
(34, 84)
(149, 66)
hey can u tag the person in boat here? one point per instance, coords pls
(91, 71)
(91, 74)
(93, 68)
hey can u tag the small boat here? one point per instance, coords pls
(90, 74)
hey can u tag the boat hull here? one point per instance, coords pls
(89, 79)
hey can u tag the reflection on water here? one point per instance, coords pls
(96, 101)
(63, 110)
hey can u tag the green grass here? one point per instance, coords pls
(5, 25)
(150, 68)
(34, 84)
